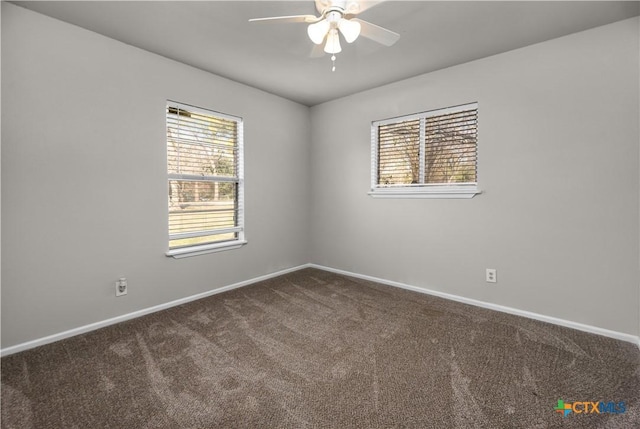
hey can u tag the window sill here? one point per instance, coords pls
(444, 193)
(185, 252)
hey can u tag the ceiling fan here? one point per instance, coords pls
(339, 16)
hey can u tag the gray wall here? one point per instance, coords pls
(558, 164)
(84, 178)
(84, 191)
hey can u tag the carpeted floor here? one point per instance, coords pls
(319, 350)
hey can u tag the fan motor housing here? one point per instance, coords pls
(344, 6)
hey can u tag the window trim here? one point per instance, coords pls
(422, 190)
(201, 249)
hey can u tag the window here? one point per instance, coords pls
(426, 155)
(205, 180)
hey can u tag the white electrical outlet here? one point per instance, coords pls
(121, 286)
(492, 275)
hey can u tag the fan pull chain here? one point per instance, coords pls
(333, 60)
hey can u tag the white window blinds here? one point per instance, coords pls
(204, 163)
(432, 151)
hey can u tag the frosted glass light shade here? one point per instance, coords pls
(349, 29)
(333, 42)
(317, 31)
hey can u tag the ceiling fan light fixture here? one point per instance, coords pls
(338, 17)
(333, 42)
(349, 29)
(317, 31)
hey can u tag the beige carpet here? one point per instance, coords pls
(319, 350)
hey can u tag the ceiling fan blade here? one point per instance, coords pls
(377, 33)
(292, 18)
(355, 7)
(317, 51)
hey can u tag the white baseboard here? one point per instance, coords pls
(97, 325)
(549, 319)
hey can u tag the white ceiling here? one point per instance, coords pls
(216, 36)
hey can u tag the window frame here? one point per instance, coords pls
(419, 190)
(240, 240)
